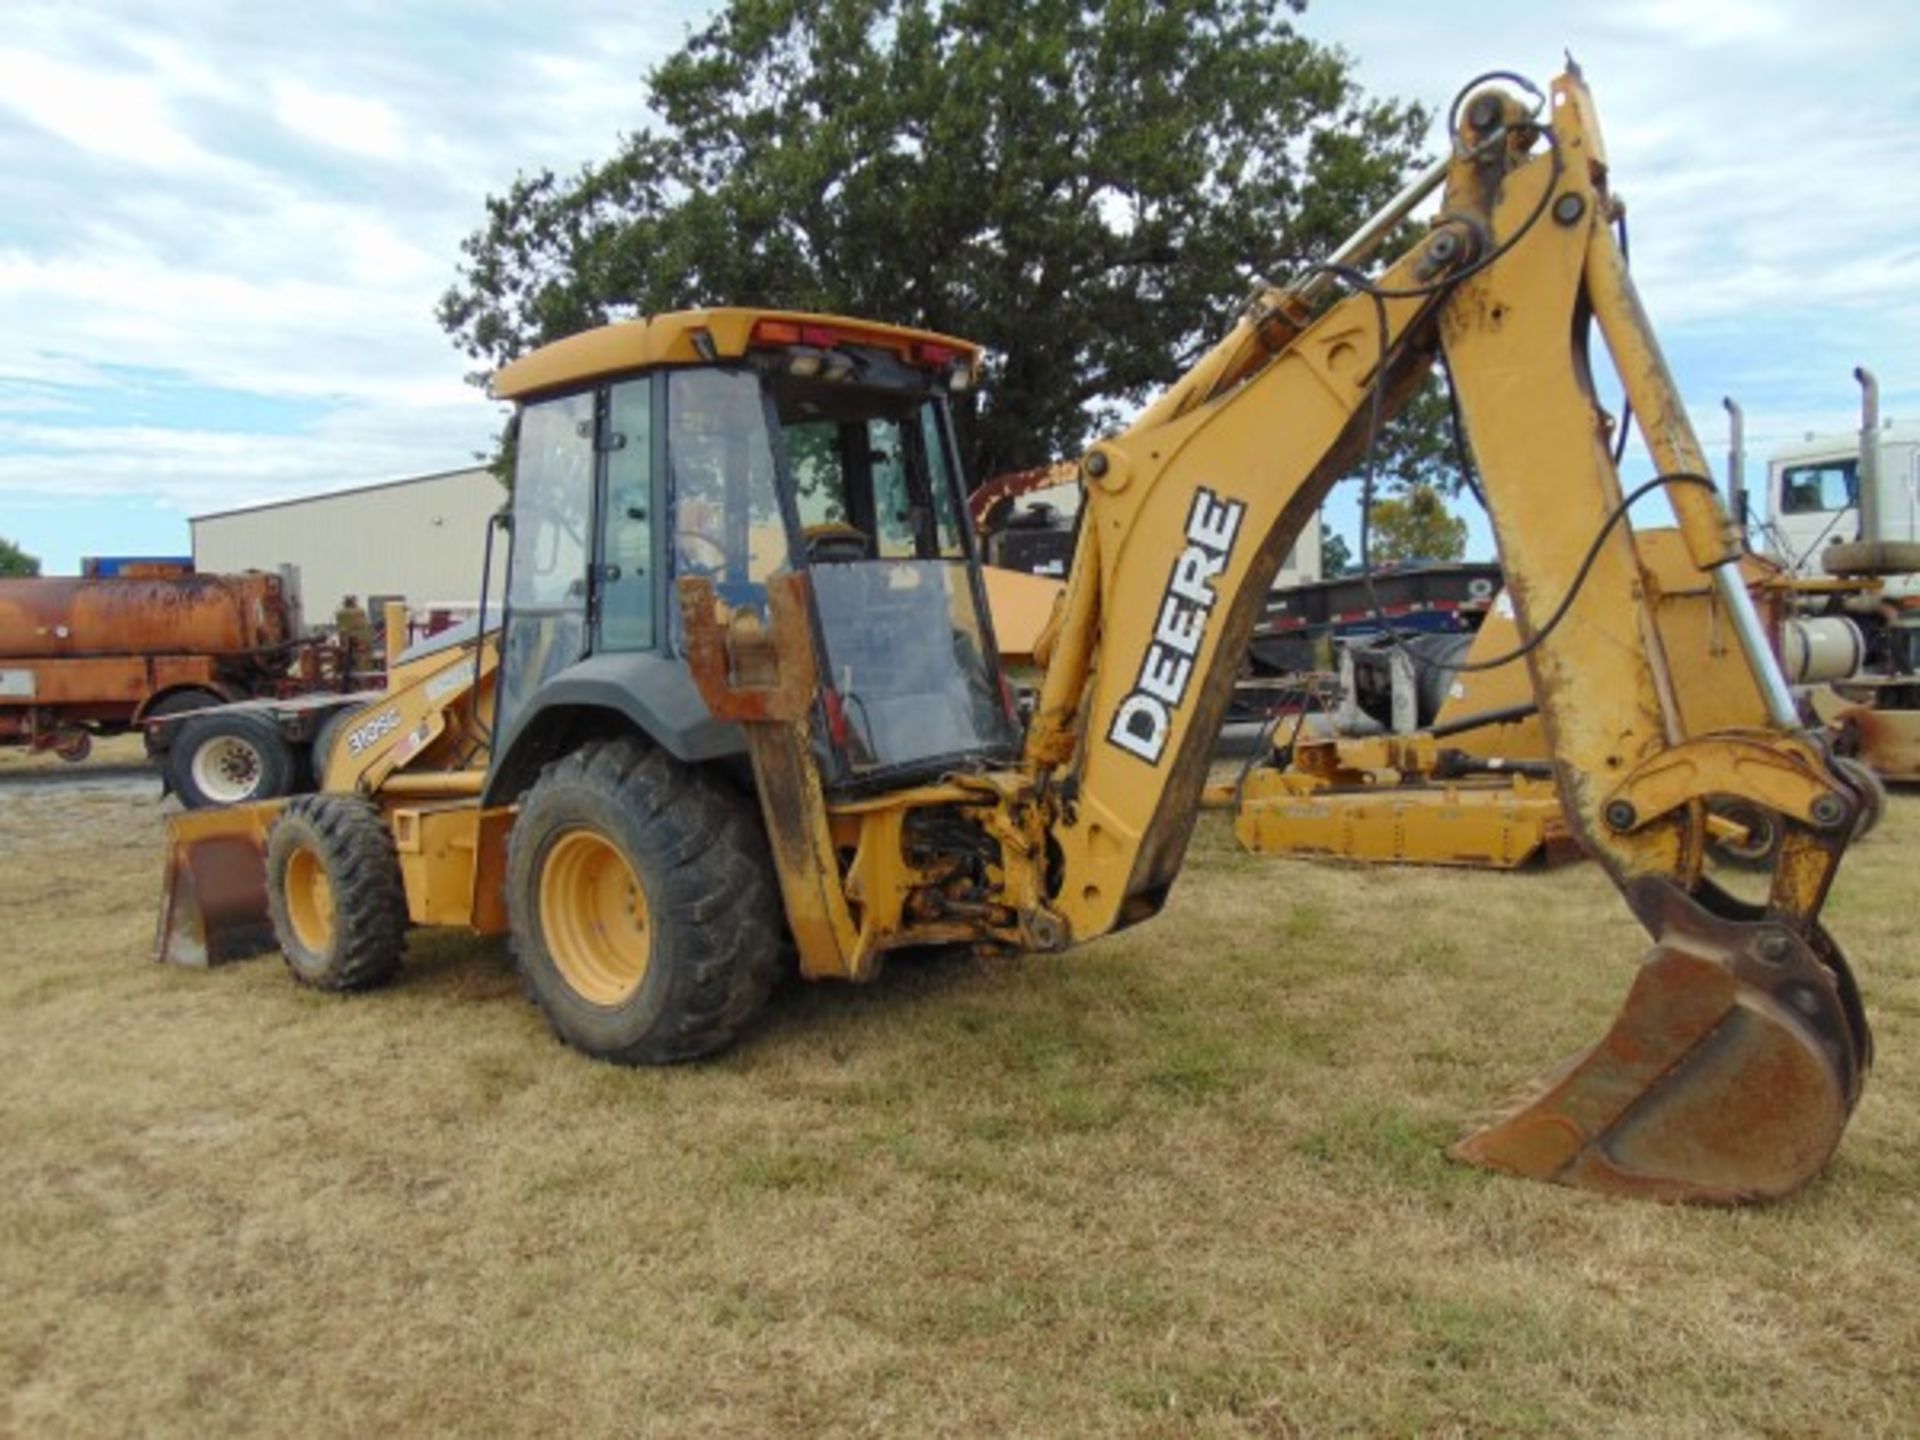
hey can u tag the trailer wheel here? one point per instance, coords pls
(334, 890)
(230, 759)
(646, 923)
(179, 702)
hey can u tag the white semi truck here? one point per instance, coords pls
(1845, 490)
(1843, 515)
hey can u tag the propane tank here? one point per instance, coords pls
(221, 615)
(1820, 649)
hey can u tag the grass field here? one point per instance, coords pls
(1185, 1182)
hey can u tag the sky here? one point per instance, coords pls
(224, 225)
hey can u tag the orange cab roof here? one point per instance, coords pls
(671, 340)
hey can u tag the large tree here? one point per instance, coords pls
(16, 562)
(1087, 189)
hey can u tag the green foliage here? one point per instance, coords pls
(1085, 189)
(1336, 556)
(1416, 445)
(15, 562)
(1415, 525)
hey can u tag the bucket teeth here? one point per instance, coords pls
(1727, 1077)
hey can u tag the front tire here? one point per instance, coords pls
(334, 891)
(645, 919)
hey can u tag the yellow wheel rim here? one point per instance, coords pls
(310, 900)
(593, 915)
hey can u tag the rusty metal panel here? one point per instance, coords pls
(217, 615)
(116, 687)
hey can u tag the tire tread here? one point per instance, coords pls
(719, 927)
(355, 843)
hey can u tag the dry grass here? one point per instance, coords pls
(1186, 1182)
(118, 752)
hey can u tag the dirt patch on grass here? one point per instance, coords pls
(117, 752)
(1184, 1182)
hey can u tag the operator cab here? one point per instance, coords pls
(733, 445)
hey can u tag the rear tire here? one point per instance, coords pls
(334, 890)
(230, 759)
(646, 922)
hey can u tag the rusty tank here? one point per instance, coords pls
(212, 615)
(86, 656)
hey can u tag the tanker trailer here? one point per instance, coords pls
(84, 657)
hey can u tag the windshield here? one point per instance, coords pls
(1819, 488)
(909, 664)
(909, 673)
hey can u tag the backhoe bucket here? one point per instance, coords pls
(1727, 1076)
(214, 908)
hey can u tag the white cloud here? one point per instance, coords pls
(355, 123)
(112, 116)
(270, 201)
(1709, 24)
(202, 470)
(241, 202)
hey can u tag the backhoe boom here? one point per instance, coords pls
(1732, 1070)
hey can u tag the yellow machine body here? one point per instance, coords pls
(422, 744)
(1400, 799)
(1497, 825)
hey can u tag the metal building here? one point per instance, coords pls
(418, 539)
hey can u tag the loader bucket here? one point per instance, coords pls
(1727, 1076)
(214, 908)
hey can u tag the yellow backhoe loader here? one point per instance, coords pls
(747, 696)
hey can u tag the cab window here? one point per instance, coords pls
(626, 537)
(553, 500)
(869, 486)
(547, 575)
(1812, 489)
(727, 523)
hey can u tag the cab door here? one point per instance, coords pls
(547, 576)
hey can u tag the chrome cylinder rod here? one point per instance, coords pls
(1734, 594)
(1357, 247)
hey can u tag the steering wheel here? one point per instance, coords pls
(833, 541)
(712, 542)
